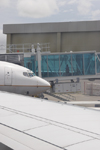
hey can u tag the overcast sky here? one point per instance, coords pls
(35, 11)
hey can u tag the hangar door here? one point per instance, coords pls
(8, 76)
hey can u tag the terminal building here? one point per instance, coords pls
(62, 36)
(70, 50)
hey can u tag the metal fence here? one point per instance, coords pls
(27, 47)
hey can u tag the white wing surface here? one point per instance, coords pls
(35, 124)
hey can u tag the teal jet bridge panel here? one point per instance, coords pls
(66, 64)
(31, 63)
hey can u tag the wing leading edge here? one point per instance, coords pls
(31, 123)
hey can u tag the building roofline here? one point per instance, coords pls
(52, 27)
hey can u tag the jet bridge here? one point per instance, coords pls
(54, 66)
(64, 66)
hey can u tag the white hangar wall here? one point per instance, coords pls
(62, 36)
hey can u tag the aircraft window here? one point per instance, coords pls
(27, 74)
(30, 74)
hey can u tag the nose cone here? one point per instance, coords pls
(46, 83)
(43, 84)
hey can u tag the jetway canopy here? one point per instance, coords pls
(70, 65)
(52, 66)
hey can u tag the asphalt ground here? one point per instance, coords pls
(80, 100)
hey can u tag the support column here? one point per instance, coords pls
(59, 42)
(39, 59)
(8, 41)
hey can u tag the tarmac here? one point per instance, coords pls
(79, 99)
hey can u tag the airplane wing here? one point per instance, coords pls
(28, 123)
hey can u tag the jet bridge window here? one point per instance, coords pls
(28, 74)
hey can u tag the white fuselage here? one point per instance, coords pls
(18, 79)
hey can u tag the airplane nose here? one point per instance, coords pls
(46, 83)
(43, 83)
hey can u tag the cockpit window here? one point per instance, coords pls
(28, 74)
(25, 74)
